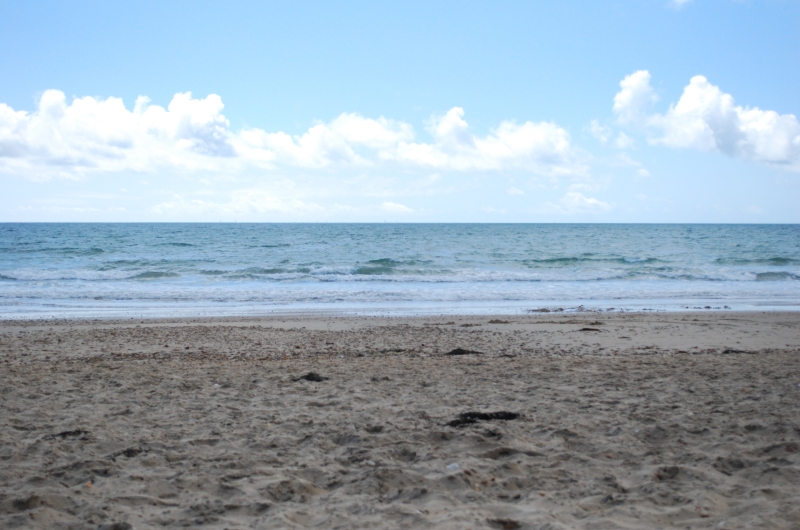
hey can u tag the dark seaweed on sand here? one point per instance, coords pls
(468, 418)
(504, 524)
(128, 453)
(311, 376)
(462, 351)
(77, 433)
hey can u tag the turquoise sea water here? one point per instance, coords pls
(60, 270)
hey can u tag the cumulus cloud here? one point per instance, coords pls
(92, 134)
(61, 138)
(577, 202)
(393, 207)
(542, 147)
(601, 132)
(633, 101)
(707, 119)
(574, 202)
(330, 144)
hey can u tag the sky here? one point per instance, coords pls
(571, 111)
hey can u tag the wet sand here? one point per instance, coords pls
(668, 420)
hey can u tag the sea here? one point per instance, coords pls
(169, 270)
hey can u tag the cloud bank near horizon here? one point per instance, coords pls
(92, 135)
(88, 135)
(707, 119)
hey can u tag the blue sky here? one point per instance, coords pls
(574, 111)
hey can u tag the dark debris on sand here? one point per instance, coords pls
(79, 434)
(469, 418)
(311, 376)
(462, 351)
(504, 524)
(729, 351)
(128, 453)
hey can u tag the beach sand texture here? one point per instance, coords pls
(668, 420)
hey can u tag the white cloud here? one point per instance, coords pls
(705, 118)
(677, 4)
(623, 141)
(330, 144)
(626, 161)
(89, 134)
(601, 132)
(241, 202)
(589, 185)
(515, 191)
(542, 147)
(635, 98)
(394, 207)
(281, 200)
(71, 139)
(574, 202)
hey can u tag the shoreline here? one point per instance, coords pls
(514, 322)
(625, 420)
(105, 310)
(417, 312)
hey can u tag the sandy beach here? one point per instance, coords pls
(539, 421)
